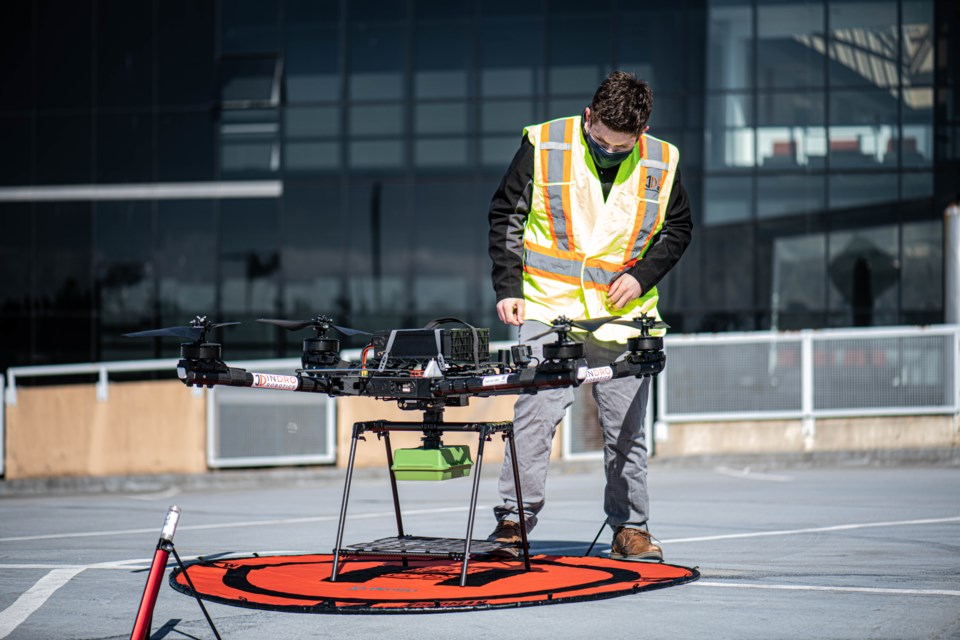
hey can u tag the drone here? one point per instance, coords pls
(441, 365)
(424, 369)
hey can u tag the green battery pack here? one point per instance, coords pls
(443, 463)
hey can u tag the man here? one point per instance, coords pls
(588, 218)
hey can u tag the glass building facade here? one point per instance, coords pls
(285, 158)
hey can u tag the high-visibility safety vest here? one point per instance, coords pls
(574, 242)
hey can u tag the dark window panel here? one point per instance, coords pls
(312, 59)
(123, 245)
(790, 42)
(16, 257)
(249, 255)
(249, 26)
(64, 151)
(125, 45)
(311, 122)
(378, 53)
(312, 63)
(249, 81)
(855, 190)
(185, 52)
(125, 148)
(730, 45)
(790, 130)
(313, 12)
(442, 56)
(510, 8)
(511, 116)
(577, 70)
(652, 54)
(186, 262)
(64, 337)
(379, 253)
(727, 199)
(864, 276)
(789, 195)
(313, 246)
(16, 54)
(16, 151)
(64, 241)
(917, 36)
(728, 256)
(16, 275)
(448, 260)
(863, 129)
(442, 154)
(916, 145)
(185, 148)
(864, 43)
(249, 273)
(64, 54)
(441, 9)
(16, 338)
(728, 137)
(511, 66)
(376, 9)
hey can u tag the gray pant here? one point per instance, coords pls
(622, 403)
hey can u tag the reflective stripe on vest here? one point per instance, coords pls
(648, 220)
(555, 158)
(569, 266)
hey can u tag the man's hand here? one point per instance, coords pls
(511, 311)
(624, 289)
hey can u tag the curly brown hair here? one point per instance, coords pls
(623, 103)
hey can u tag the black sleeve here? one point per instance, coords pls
(669, 243)
(508, 215)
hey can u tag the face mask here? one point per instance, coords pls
(603, 158)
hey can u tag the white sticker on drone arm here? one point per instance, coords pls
(489, 381)
(274, 381)
(598, 374)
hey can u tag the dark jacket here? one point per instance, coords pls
(508, 215)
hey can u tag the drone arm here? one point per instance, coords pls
(523, 381)
(237, 377)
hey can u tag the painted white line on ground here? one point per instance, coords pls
(33, 598)
(790, 532)
(805, 587)
(747, 474)
(157, 495)
(230, 525)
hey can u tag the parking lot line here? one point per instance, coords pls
(34, 597)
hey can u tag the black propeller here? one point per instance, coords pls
(563, 325)
(196, 331)
(321, 324)
(644, 323)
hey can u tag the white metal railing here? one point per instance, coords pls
(101, 369)
(811, 374)
(719, 377)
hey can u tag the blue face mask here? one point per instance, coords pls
(601, 157)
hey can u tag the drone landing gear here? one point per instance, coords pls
(405, 546)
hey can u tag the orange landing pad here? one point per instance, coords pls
(302, 583)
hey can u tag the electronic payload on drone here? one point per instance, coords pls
(428, 369)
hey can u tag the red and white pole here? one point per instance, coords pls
(141, 627)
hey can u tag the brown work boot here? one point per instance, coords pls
(634, 544)
(507, 533)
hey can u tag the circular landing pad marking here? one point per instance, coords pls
(302, 583)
